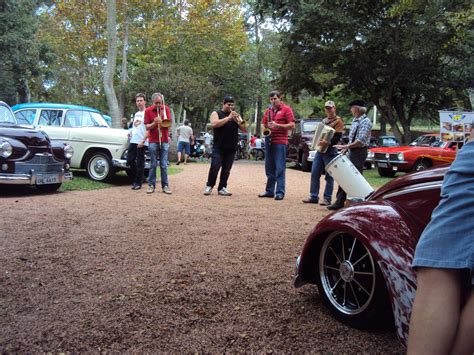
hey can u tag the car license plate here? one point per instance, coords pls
(382, 165)
(47, 179)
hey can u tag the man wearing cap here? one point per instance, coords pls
(359, 138)
(226, 123)
(279, 119)
(322, 159)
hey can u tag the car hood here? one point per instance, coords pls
(400, 149)
(28, 136)
(430, 175)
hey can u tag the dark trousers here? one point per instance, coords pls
(136, 162)
(222, 159)
(357, 156)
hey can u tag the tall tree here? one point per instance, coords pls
(408, 58)
(109, 72)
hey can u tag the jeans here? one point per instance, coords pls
(319, 163)
(136, 161)
(275, 168)
(221, 158)
(357, 156)
(162, 153)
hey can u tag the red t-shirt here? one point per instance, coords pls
(150, 114)
(283, 115)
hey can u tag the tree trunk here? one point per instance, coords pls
(124, 74)
(109, 89)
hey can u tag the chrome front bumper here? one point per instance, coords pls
(122, 164)
(35, 178)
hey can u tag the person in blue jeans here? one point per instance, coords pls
(323, 159)
(279, 119)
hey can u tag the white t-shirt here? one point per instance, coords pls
(185, 132)
(258, 143)
(208, 138)
(138, 129)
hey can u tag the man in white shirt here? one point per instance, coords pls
(136, 148)
(208, 139)
(184, 141)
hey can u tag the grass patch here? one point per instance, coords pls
(375, 180)
(82, 183)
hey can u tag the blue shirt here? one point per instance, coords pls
(360, 130)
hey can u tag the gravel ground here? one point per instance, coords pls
(120, 270)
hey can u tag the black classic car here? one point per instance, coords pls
(29, 157)
(299, 142)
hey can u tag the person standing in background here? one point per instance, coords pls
(185, 139)
(136, 148)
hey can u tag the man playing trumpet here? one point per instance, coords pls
(226, 123)
(157, 122)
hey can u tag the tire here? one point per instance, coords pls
(48, 187)
(305, 164)
(421, 165)
(259, 155)
(351, 284)
(99, 166)
(384, 172)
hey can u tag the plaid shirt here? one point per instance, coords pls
(360, 130)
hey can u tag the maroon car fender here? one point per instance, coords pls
(391, 238)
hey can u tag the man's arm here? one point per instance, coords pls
(216, 122)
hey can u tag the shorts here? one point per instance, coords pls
(186, 146)
(448, 240)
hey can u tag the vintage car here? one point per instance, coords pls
(97, 148)
(363, 273)
(425, 152)
(299, 142)
(29, 157)
(380, 141)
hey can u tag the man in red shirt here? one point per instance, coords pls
(279, 119)
(158, 137)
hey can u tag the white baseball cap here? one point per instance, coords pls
(329, 104)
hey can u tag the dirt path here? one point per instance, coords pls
(119, 270)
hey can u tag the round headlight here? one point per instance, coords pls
(370, 155)
(68, 152)
(400, 156)
(6, 149)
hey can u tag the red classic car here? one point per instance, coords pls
(426, 151)
(364, 274)
(29, 157)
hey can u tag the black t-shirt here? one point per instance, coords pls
(226, 136)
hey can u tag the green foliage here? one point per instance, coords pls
(19, 52)
(409, 58)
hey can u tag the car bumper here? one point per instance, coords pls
(34, 178)
(122, 164)
(398, 165)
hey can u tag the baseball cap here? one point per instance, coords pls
(329, 104)
(228, 98)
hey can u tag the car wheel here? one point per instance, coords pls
(99, 166)
(351, 284)
(421, 165)
(384, 172)
(48, 187)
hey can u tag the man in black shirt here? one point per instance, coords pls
(226, 123)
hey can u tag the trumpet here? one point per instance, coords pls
(240, 121)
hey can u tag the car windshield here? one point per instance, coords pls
(309, 126)
(6, 115)
(425, 141)
(84, 119)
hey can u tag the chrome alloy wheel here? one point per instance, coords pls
(347, 273)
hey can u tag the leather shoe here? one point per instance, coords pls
(335, 206)
(310, 200)
(278, 197)
(265, 194)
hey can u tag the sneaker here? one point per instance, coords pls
(178, 162)
(207, 190)
(265, 194)
(166, 190)
(136, 187)
(310, 200)
(278, 197)
(325, 202)
(151, 189)
(224, 192)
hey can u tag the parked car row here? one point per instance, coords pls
(29, 157)
(98, 149)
